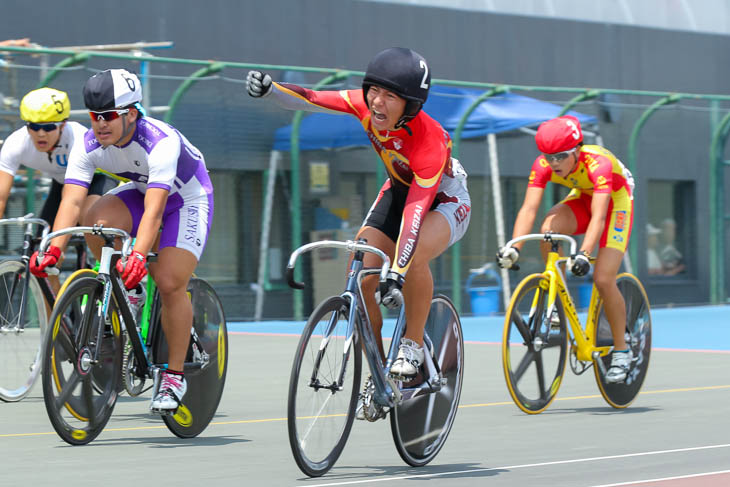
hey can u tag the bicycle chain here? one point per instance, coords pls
(128, 375)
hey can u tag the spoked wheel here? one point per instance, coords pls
(421, 424)
(638, 337)
(20, 343)
(205, 365)
(82, 373)
(323, 388)
(534, 347)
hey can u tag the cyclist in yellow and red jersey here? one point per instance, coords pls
(599, 205)
(424, 206)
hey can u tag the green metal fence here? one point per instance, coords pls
(209, 105)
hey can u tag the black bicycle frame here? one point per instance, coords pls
(385, 393)
(144, 362)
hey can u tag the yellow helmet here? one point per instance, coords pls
(45, 105)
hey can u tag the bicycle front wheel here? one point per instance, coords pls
(421, 424)
(638, 337)
(20, 342)
(79, 403)
(323, 388)
(534, 347)
(206, 377)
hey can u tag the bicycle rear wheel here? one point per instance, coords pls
(534, 351)
(421, 424)
(79, 403)
(638, 337)
(323, 388)
(20, 343)
(205, 379)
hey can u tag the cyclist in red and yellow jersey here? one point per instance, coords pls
(422, 209)
(599, 205)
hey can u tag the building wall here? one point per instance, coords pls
(459, 45)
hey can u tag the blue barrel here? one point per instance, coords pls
(584, 294)
(484, 299)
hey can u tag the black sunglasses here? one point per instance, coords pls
(46, 127)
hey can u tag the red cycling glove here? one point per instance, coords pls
(50, 258)
(134, 270)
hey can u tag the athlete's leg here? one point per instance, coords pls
(604, 275)
(560, 219)
(110, 211)
(418, 286)
(377, 239)
(88, 203)
(171, 273)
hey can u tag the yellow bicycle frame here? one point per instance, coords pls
(556, 288)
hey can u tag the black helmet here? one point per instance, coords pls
(405, 73)
(111, 89)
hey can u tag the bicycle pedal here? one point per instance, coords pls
(401, 378)
(163, 412)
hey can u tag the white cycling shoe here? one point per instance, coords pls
(170, 394)
(409, 359)
(620, 364)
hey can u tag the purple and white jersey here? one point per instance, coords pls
(157, 156)
(19, 149)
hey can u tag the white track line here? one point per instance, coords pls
(527, 465)
(638, 482)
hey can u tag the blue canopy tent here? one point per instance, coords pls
(497, 114)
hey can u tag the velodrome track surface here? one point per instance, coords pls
(676, 434)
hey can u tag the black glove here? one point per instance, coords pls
(391, 295)
(507, 257)
(258, 84)
(579, 264)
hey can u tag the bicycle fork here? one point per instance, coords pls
(20, 325)
(350, 335)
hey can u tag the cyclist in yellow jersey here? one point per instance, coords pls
(599, 205)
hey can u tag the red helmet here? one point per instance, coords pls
(558, 135)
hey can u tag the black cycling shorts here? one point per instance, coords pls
(387, 212)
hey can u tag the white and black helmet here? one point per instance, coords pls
(112, 89)
(404, 72)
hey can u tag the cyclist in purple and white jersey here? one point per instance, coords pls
(167, 204)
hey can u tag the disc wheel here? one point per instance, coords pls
(638, 337)
(323, 388)
(421, 424)
(534, 350)
(81, 382)
(20, 343)
(205, 377)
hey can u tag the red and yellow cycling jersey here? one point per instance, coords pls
(597, 171)
(415, 159)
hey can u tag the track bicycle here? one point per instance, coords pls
(541, 321)
(25, 302)
(325, 375)
(83, 350)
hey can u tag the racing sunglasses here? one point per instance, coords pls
(559, 156)
(107, 116)
(46, 127)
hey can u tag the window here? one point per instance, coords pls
(670, 229)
